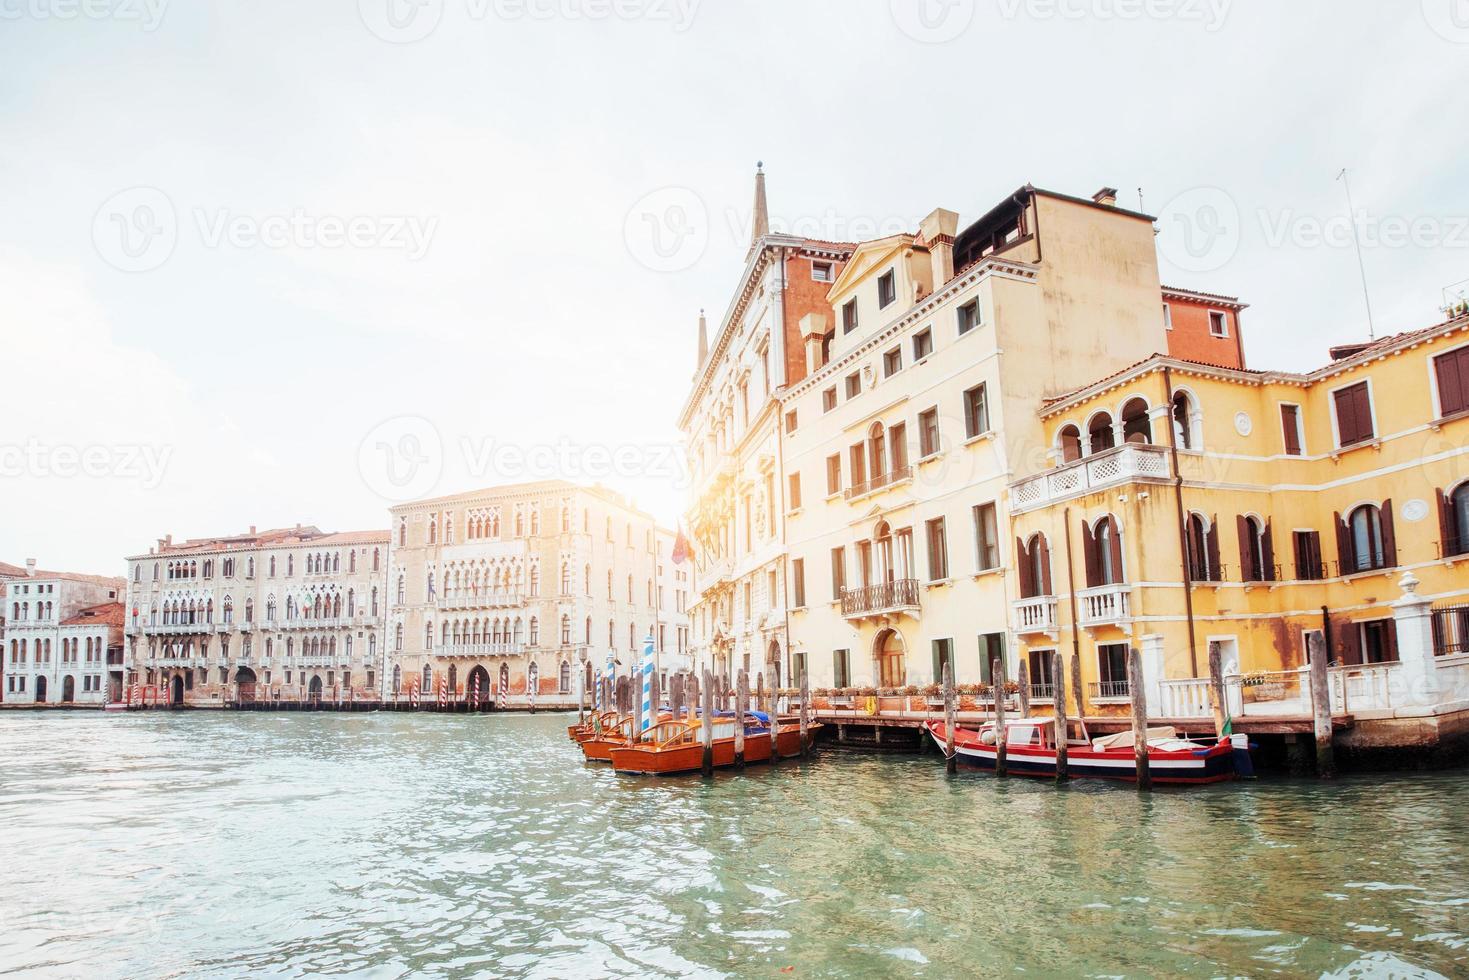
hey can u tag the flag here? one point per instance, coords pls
(682, 550)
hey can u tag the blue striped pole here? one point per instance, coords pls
(648, 683)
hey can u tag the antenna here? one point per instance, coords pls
(1361, 266)
(1140, 207)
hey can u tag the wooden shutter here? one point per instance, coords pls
(1452, 370)
(1247, 570)
(1313, 554)
(1290, 428)
(1448, 528)
(1389, 537)
(1027, 576)
(1045, 582)
(1089, 554)
(1213, 549)
(1267, 550)
(1353, 414)
(1349, 642)
(1115, 555)
(1346, 560)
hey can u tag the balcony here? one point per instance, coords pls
(1035, 615)
(482, 600)
(899, 595)
(1110, 690)
(1106, 605)
(1110, 468)
(480, 649)
(178, 629)
(901, 474)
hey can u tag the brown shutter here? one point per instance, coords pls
(1313, 554)
(1346, 423)
(1116, 551)
(1267, 550)
(1346, 563)
(1247, 571)
(1090, 557)
(1290, 427)
(1448, 526)
(1027, 577)
(1349, 646)
(1389, 537)
(1453, 381)
(1364, 411)
(1045, 582)
(1213, 549)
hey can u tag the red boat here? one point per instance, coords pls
(677, 746)
(598, 746)
(1030, 750)
(590, 727)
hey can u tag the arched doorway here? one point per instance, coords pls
(890, 652)
(68, 689)
(41, 690)
(533, 678)
(314, 691)
(245, 685)
(479, 685)
(453, 680)
(176, 691)
(772, 657)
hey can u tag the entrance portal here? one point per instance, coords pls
(890, 651)
(68, 689)
(176, 691)
(41, 690)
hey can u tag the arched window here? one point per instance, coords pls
(1201, 538)
(433, 530)
(1136, 427)
(876, 453)
(428, 677)
(587, 579)
(1070, 440)
(1099, 433)
(398, 680)
(428, 636)
(563, 684)
(589, 631)
(1102, 547)
(1035, 567)
(402, 589)
(1183, 420)
(1368, 542)
(398, 637)
(1455, 520)
(565, 630)
(535, 631)
(1256, 554)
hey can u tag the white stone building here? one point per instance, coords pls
(528, 584)
(62, 638)
(290, 614)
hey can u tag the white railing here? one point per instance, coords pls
(1105, 469)
(1268, 693)
(1037, 615)
(481, 600)
(1186, 697)
(479, 649)
(1105, 604)
(1362, 687)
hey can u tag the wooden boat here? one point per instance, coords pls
(598, 747)
(589, 728)
(1030, 750)
(677, 746)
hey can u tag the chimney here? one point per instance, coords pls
(252, 528)
(1107, 196)
(938, 231)
(813, 332)
(703, 341)
(30, 567)
(760, 219)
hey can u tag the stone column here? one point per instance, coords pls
(1418, 685)
(1151, 649)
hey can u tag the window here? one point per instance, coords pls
(1112, 669)
(854, 384)
(838, 572)
(976, 412)
(898, 448)
(892, 362)
(829, 399)
(1256, 554)
(1167, 317)
(1353, 414)
(986, 537)
(858, 459)
(922, 344)
(1290, 428)
(821, 271)
(991, 648)
(1218, 324)
(943, 656)
(887, 288)
(798, 581)
(1379, 641)
(928, 433)
(1183, 429)
(1366, 539)
(1454, 521)
(834, 474)
(791, 420)
(1202, 544)
(1102, 552)
(849, 316)
(794, 492)
(841, 668)
(1307, 547)
(938, 550)
(968, 316)
(1451, 371)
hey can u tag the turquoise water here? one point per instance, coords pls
(230, 845)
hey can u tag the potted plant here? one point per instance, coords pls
(933, 696)
(841, 697)
(890, 699)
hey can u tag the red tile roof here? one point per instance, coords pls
(107, 613)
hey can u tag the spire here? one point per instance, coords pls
(760, 223)
(703, 340)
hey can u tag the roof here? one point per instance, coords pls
(1197, 294)
(106, 613)
(302, 534)
(9, 571)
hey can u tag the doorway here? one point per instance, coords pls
(891, 652)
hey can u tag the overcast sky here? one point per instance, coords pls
(266, 262)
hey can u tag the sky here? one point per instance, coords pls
(272, 262)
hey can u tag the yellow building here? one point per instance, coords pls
(1190, 508)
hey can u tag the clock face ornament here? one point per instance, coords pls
(1243, 424)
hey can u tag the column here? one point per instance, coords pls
(1417, 684)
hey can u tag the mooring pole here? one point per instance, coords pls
(997, 675)
(951, 764)
(1139, 718)
(1321, 707)
(1058, 672)
(706, 725)
(1022, 698)
(741, 693)
(1216, 688)
(805, 716)
(676, 695)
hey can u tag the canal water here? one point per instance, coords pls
(381, 845)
